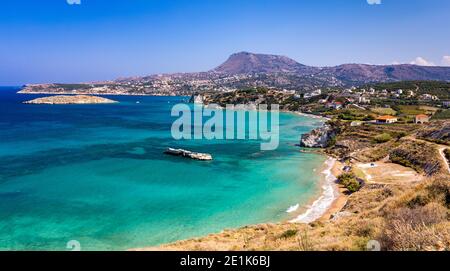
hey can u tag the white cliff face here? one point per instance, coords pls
(318, 138)
(198, 99)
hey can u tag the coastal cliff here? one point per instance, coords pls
(319, 138)
(71, 99)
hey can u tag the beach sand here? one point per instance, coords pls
(332, 198)
(341, 198)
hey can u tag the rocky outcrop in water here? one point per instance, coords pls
(318, 138)
(189, 154)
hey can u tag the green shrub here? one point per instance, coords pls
(349, 181)
(353, 185)
(288, 234)
(382, 138)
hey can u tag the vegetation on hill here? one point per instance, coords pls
(422, 157)
(436, 131)
(442, 114)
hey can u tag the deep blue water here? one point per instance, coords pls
(96, 174)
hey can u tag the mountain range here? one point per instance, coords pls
(245, 62)
(248, 70)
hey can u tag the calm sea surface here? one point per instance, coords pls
(97, 174)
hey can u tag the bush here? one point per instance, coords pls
(419, 200)
(401, 135)
(288, 234)
(382, 138)
(349, 181)
(353, 186)
(439, 190)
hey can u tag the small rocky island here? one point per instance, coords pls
(71, 99)
(189, 154)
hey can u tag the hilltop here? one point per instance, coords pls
(245, 62)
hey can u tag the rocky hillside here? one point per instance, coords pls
(362, 73)
(437, 131)
(244, 62)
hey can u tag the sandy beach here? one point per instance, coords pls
(328, 197)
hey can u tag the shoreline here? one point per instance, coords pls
(326, 201)
(310, 115)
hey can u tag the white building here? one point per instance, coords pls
(313, 94)
(363, 100)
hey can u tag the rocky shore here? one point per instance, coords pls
(71, 99)
(318, 138)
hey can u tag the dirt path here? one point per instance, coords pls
(441, 152)
(440, 148)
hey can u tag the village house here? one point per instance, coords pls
(422, 118)
(335, 105)
(386, 119)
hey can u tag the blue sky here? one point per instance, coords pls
(52, 41)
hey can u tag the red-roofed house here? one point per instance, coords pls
(422, 118)
(386, 119)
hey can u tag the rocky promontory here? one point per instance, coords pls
(71, 99)
(318, 138)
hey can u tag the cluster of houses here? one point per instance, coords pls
(419, 119)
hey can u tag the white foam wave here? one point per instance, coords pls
(293, 208)
(321, 205)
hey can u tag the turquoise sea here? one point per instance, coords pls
(97, 174)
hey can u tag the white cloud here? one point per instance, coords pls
(422, 62)
(446, 60)
(74, 2)
(374, 2)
